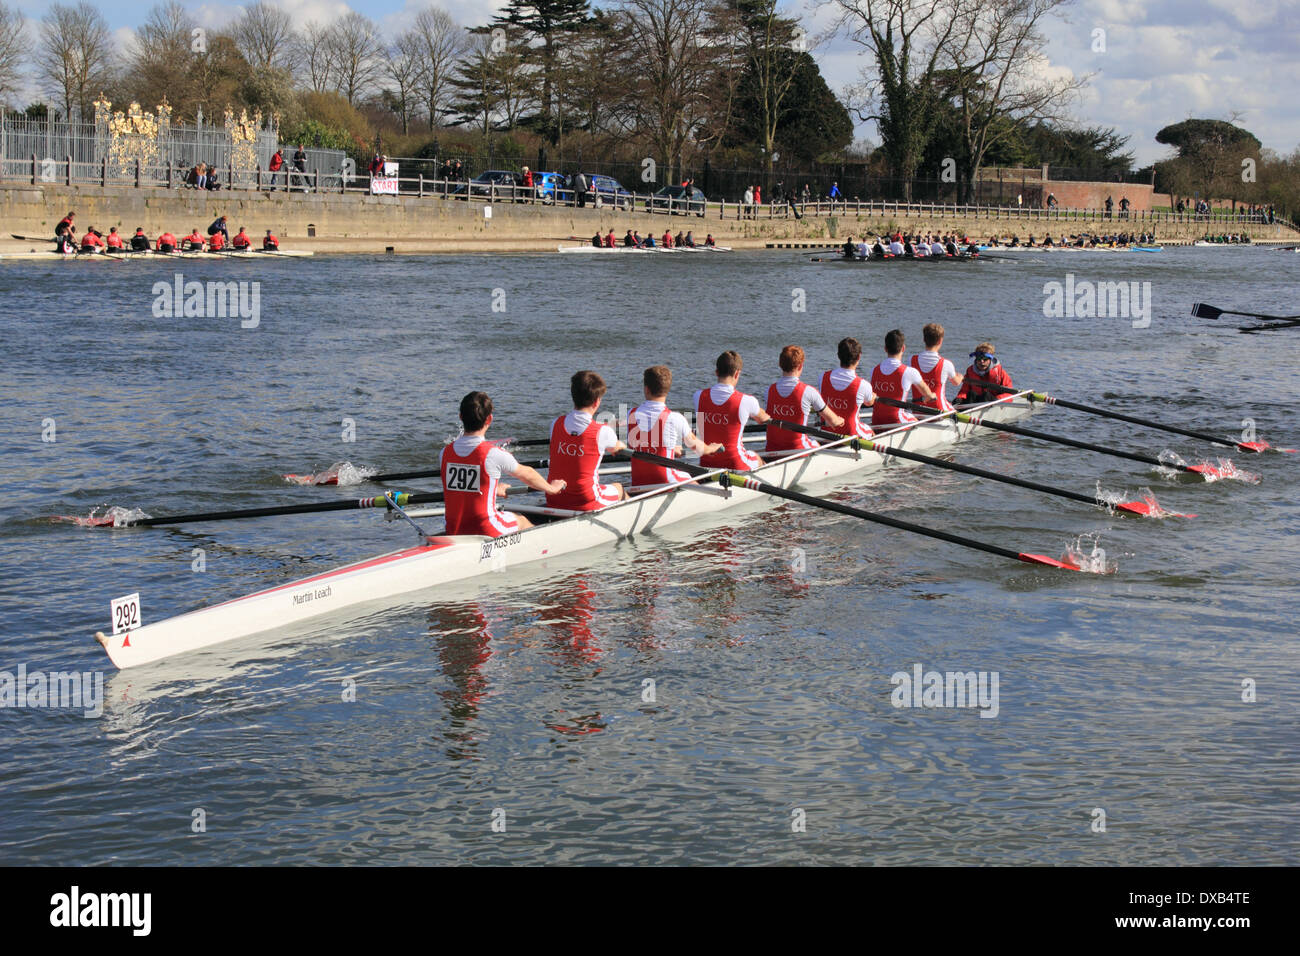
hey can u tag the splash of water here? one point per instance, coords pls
(113, 515)
(1146, 497)
(346, 473)
(1086, 553)
(1223, 469)
(1170, 464)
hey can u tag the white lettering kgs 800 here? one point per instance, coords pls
(462, 478)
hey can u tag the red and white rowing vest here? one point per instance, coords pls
(575, 459)
(934, 379)
(721, 423)
(787, 409)
(887, 386)
(652, 441)
(844, 402)
(470, 494)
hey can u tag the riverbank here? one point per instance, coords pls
(363, 224)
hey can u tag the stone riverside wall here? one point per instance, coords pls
(360, 223)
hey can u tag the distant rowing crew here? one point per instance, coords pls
(472, 469)
(634, 240)
(218, 239)
(918, 247)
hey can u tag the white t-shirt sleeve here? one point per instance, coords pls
(949, 372)
(864, 392)
(677, 429)
(749, 407)
(911, 377)
(606, 438)
(498, 463)
(812, 400)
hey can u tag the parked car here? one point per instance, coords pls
(677, 202)
(501, 183)
(607, 191)
(551, 187)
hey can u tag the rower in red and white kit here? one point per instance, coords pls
(845, 391)
(790, 400)
(936, 370)
(722, 412)
(985, 371)
(472, 469)
(894, 380)
(653, 427)
(578, 444)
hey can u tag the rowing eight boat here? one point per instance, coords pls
(614, 249)
(442, 559)
(109, 257)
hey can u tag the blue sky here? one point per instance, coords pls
(1164, 61)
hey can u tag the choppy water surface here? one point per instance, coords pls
(524, 692)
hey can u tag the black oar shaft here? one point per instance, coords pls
(350, 504)
(1041, 436)
(883, 449)
(1119, 416)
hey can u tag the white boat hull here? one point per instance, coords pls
(117, 256)
(444, 559)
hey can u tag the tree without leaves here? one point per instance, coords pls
(74, 58)
(314, 52)
(908, 40)
(442, 42)
(265, 37)
(993, 62)
(669, 70)
(402, 62)
(355, 54)
(13, 50)
(161, 60)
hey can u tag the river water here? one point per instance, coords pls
(512, 719)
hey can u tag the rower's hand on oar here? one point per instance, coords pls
(502, 490)
(828, 416)
(713, 449)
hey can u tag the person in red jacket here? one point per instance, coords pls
(167, 243)
(241, 242)
(113, 240)
(277, 163)
(194, 241)
(270, 243)
(985, 371)
(91, 242)
(667, 240)
(216, 242)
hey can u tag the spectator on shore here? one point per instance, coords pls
(1051, 201)
(1110, 204)
(1123, 207)
(376, 167)
(528, 180)
(579, 181)
(748, 201)
(276, 164)
(1182, 207)
(300, 167)
(835, 194)
(758, 198)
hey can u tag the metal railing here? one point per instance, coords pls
(338, 180)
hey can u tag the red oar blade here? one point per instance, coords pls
(1209, 471)
(1149, 509)
(1066, 565)
(113, 516)
(319, 479)
(1254, 445)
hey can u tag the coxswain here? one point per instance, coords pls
(194, 241)
(139, 242)
(64, 240)
(472, 468)
(690, 239)
(166, 243)
(708, 240)
(654, 428)
(270, 243)
(610, 241)
(845, 391)
(241, 242)
(91, 241)
(985, 371)
(217, 241)
(936, 371)
(668, 239)
(219, 226)
(630, 241)
(597, 240)
(578, 443)
(790, 400)
(972, 247)
(895, 380)
(722, 413)
(113, 241)
(849, 249)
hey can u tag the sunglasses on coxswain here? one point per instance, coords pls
(983, 357)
